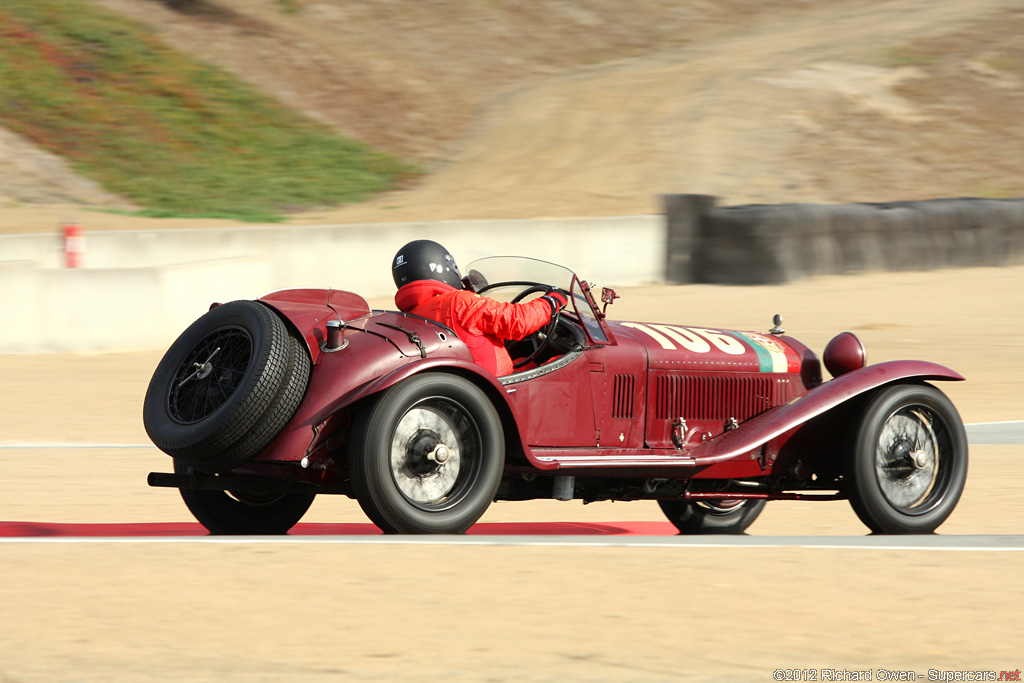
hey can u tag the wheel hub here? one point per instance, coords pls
(203, 371)
(920, 459)
(425, 452)
(200, 387)
(905, 463)
(439, 455)
(425, 456)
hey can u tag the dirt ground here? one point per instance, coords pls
(799, 101)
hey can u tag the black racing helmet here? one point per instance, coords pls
(425, 260)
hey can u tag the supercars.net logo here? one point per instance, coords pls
(892, 675)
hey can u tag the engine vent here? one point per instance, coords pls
(718, 398)
(622, 397)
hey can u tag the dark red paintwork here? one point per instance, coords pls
(649, 401)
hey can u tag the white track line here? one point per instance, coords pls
(925, 543)
(48, 445)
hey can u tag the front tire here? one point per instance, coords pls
(235, 513)
(908, 464)
(428, 456)
(727, 516)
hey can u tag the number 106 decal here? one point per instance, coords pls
(695, 339)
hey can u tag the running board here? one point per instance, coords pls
(560, 461)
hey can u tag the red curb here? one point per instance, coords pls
(51, 529)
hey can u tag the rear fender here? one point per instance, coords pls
(497, 393)
(470, 370)
(467, 369)
(760, 429)
(306, 311)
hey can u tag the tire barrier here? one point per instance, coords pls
(765, 244)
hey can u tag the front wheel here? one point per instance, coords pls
(428, 456)
(908, 464)
(236, 513)
(720, 516)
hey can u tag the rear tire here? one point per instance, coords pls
(726, 516)
(227, 512)
(428, 456)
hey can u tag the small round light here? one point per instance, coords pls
(844, 354)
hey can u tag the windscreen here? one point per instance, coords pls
(506, 277)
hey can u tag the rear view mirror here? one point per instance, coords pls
(608, 295)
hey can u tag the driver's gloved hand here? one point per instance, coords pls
(557, 298)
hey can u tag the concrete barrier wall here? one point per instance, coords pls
(760, 244)
(18, 301)
(104, 309)
(139, 290)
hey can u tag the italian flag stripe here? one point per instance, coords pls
(768, 359)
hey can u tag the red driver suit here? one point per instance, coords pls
(482, 323)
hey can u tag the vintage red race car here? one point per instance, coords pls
(265, 404)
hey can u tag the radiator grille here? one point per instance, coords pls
(622, 397)
(718, 398)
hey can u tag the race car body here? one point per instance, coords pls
(264, 404)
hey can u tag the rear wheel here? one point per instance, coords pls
(721, 516)
(427, 457)
(236, 513)
(908, 464)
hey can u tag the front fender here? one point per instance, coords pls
(772, 423)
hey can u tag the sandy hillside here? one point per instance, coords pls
(557, 109)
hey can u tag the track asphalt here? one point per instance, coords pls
(986, 433)
(634, 534)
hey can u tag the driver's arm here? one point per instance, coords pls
(503, 320)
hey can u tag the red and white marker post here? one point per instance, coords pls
(74, 245)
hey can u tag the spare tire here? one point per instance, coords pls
(226, 387)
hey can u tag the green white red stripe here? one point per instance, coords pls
(772, 354)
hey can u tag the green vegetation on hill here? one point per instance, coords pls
(159, 128)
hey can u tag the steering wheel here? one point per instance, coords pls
(544, 334)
